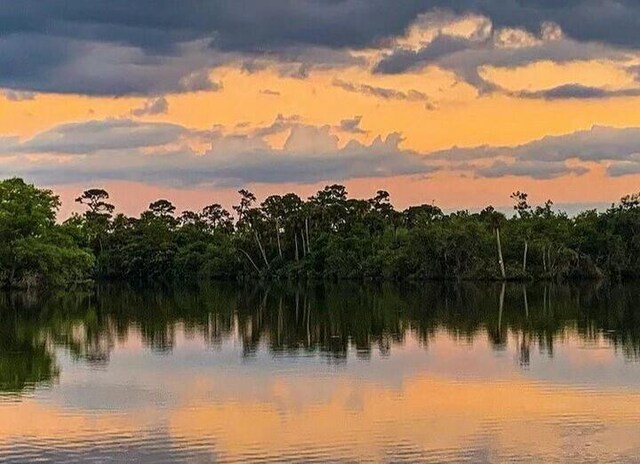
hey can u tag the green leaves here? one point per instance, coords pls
(34, 250)
(328, 236)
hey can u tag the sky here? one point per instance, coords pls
(457, 103)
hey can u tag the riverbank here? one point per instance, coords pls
(330, 236)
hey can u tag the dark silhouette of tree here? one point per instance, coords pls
(95, 199)
(162, 208)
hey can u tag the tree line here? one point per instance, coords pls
(327, 236)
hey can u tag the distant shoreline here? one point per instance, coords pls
(327, 237)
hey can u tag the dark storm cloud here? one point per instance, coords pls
(465, 57)
(236, 25)
(404, 59)
(151, 47)
(130, 47)
(257, 25)
(614, 22)
(43, 63)
(578, 92)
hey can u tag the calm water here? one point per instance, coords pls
(338, 374)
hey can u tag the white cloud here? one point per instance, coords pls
(162, 153)
(170, 154)
(551, 156)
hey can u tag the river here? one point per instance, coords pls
(334, 373)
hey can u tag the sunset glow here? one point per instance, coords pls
(350, 92)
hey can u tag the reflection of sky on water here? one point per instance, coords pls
(138, 376)
(443, 399)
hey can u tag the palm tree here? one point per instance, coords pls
(524, 211)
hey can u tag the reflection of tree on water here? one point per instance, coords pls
(25, 358)
(523, 339)
(498, 334)
(329, 321)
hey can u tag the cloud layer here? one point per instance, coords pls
(152, 47)
(553, 156)
(172, 155)
(372, 68)
(164, 154)
(467, 56)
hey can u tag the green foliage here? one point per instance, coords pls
(34, 250)
(329, 236)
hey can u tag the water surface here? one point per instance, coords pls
(434, 373)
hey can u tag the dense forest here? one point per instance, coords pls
(329, 236)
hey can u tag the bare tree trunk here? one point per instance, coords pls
(264, 255)
(295, 238)
(12, 275)
(500, 259)
(544, 260)
(278, 238)
(250, 260)
(306, 226)
(524, 259)
(280, 322)
(549, 259)
(308, 323)
(304, 247)
(526, 302)
(501, 308)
